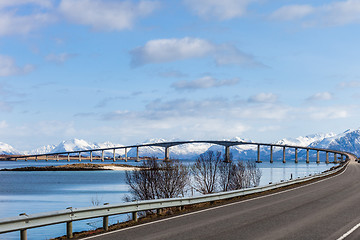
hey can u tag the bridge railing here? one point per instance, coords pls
(23, 222)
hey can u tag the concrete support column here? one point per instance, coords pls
(307, 156)
(23, 234)
(91, 156)
(57, 157)
(68, 157)
(106, 223)
(166, 158)
(296, 156)
(69, 230)
(327, 158)
(227, 154)
(46, 158)
(79, 156)
(258, 154)
(126, 159)
(102, 155)
(271, 154)
(114, 158)
(284, 160)
(134, 216)
(137, 154)
(342, 157)
(335, 159)
(317, 157)
(36, 158)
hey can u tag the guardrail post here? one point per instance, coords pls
(114, 158)
(106, 223)
(284, 160)
(134, 216)
(159, 211)
(327, 157)
(137, 154)
(317, 157)
(69, 230)
(307, 156)
(23, 235)
(271, 154)
(102, 155)
(296, 155)
(126, 155)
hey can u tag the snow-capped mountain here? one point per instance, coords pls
(305, 141)
(73, 145)
(41, 150)
(7, 149)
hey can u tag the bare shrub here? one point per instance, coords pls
(157, 180)
(205, 172)
(253, 174)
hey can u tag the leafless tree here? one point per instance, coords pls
(172, 180)
(157, 180)
(253, 174)
(205, 172)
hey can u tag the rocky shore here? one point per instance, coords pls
(78, 167)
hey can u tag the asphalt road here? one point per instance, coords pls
(323, 210)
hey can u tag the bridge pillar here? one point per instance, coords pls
(296, 156)
(102, 155)
(91, 156)
(227, 154)
(335, 159)
(79, 156)
(307, 156)
(317, 157)
(258, 154)
(342, 157)
(126, 158)
(137, 154)
(271, 154)
(327, 158)
(284, 160)
(166, 158)
(36, 158)
(57, 157)
(68, 157)
(46, 158)
(114, 158)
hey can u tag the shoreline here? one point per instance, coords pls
(78, 167)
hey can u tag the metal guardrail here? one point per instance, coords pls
(23, 222)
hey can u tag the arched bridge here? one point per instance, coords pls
(167, 146)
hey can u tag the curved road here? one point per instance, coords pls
(327, 209)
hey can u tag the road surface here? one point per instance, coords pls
(327, 209)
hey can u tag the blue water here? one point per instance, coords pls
(34, 192)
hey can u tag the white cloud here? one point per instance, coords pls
(59, 58)
(331, 14)
(204, 82)
(350, 84)
(263, 98)
(12, 3)
(106, 15)
(8, 67)
(321, 96)
(327, 113)
(223, 10)
(292, 12)
(173, 49)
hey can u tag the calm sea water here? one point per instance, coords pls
(35, 192)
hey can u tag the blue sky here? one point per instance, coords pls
(126, 71)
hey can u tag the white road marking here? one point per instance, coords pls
(208, 209)
(349, 232)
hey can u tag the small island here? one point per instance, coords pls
(78, 167)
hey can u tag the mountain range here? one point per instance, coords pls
(347, 141)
